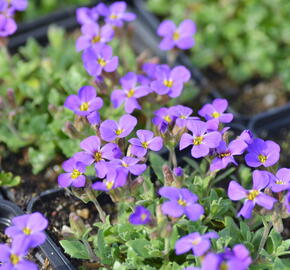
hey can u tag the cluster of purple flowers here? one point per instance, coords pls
(108, 158)
(118, 160)
(237, 258)
(26, 231)
(7, 10)
(97, 55)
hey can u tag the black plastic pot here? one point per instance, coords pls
(49, 250)
(271, 122)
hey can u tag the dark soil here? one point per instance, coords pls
(57, 208)
(31, 185)
(249, 98)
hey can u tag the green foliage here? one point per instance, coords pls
(7, 179)
(75, 249)
(243, 38)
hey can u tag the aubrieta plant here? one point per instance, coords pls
(167, 215)
(26, 233)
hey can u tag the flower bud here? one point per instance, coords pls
(70, 130)
(11, 97)
(77, 225)
(168, 176)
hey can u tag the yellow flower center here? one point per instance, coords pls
(145, 144)
(131, 93)
(215, 115)
(119, 131)
(253, 194)
(75, 173)
(102, 62)
(262, 158)
(196, 241)
(113, 17)
(84, 106)
(224, 266)
(182, 202)
(280, 182)
(197, 140)
(14, 259)
(176, 35)
(124, 164)
(26, 231)
(96, 39)
(109, 185)
(182, 117)
(168, 83)
(167, 118)
(143, 217)
(226, 154)
(98, 156)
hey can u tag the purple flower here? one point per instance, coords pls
(116, 13)
(281, 181)
(170, 82)
(145, 141)
(163, 118)
(199, 244)
(7, 26)
(181, 202)
(180, 37)
(30, 226)
(94, 118)
(201, 140)
(85, 102)
(178, 171)
(236, 259)
(74, 174)
(254, 196)
(128, 165)
(247, 136)
(99, 58)
(115, 178)
(216, 111)
(129, 94)
(12, 258)
(225, 154)
(93, 34)
(110, 129)
(87, 15)
(262, 153)
(19, 5)
(141, 216)
(94, 153)
(182, 115)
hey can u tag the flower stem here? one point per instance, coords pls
(267, 228)
(92, 198)
(172, 158)
(90, 251)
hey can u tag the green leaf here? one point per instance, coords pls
(140, 247)
(8, 179)
(102, 250)
(76, 249)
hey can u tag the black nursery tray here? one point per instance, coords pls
(49, 250)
